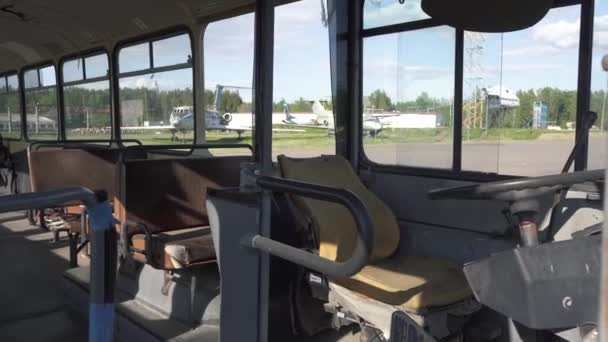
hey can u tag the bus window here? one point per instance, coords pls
(598, 138)
(86, 98)
(519, 97)
(41, 103)
(408, 91)
(388, 12)
(303, 117)
(156, 105)
(171, 51)
(10, 107)
(134, 57)
(228, 57)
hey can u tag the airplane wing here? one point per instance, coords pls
(387, 115)
(304, 126)
(149, 128)
(247, 129)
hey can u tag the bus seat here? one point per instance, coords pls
(415, 284)
(52, 169)
(178, 248)
(163, 201)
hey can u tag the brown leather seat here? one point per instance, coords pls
(414, 283)
(166, 198)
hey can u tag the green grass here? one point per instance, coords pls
(312, 138)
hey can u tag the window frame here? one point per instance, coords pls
(116, 75)
(84, 55)
(59, 98)
(4, 75)
(456, 172)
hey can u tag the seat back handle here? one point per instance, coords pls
(360, 213)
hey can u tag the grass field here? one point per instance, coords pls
(318, 138)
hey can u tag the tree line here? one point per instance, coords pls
(157, 104)
(561, 106)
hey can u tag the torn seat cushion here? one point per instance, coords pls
(177, 248)
(414, 283)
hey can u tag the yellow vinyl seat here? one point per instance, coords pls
(414, 283)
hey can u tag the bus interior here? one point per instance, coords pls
(333, 170)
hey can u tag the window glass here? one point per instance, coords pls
(519, 105)
(303, 115)
(152, 106)
(2, 84)
(96, 66)
(47, 76)
(72, 70)
(598, 138)
(10, 109)
(87, 105)
(13, 82)
(172, 51)
(135, 57)
(30, 77)
(228, 56)
(408, 91)
(41, 106)
(388, 12)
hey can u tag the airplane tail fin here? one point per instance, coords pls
(318, 109)
(324, 116)
(288, 116)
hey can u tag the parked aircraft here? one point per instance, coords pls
(372, 123)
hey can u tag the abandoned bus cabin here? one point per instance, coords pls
(470, 210)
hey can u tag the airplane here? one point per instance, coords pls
(295, 121)
(372, 123)
(181, 120)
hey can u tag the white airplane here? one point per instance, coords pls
(181, 120)
(295, 121)
(372, 123)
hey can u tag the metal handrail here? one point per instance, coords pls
(103, 249)
(363, 220)
(170, 149)
(85, 143)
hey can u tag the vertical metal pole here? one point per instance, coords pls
(114, 94)
(585, 60)
(355, 80)
(60, 104)
(198, 69)
(8, 108)
(262, 84)
(458, 79)
(103, 273)
(22, 107)
(37, 119)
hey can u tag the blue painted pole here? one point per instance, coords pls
(103, 272)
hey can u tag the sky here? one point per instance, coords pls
(403, 64)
